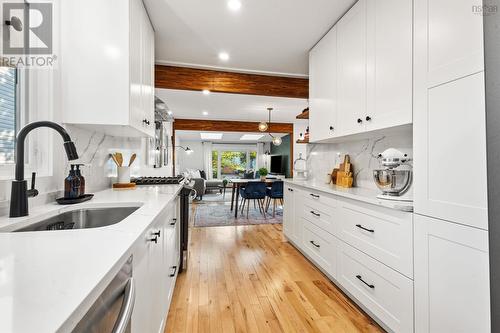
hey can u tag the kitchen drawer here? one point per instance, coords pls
(321, 247)
(320, 214)
(383, 291)
(319, 198)
(384, 234)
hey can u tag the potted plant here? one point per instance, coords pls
(263, 173)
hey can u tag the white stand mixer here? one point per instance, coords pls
(393, 181)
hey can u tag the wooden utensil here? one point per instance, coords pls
(114, 159)
(132, 159)
(119, 158)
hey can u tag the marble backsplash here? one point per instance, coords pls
(323, 157)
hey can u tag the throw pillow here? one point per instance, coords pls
(203, 174)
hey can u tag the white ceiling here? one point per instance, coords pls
(267, 36)
(190, 105)
(227, 137)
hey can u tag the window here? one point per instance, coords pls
(8, 114)
(215, 164)
(231, 161)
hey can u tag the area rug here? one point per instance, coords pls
(215, 197)
(221, 215)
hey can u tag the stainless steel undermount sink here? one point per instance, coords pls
(84, 218)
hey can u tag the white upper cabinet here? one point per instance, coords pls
(108, 67)
(323, 87)
(453, 35)
(352, 69)
(372, 60)
(389, 63)
(449, 118)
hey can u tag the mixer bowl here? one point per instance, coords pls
(393, 182)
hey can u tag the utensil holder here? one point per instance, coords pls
(123, 175)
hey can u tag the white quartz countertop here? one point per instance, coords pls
(355, 193)
(48, 279)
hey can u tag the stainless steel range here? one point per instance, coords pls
(158, 180)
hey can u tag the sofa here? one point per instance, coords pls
(201, 184)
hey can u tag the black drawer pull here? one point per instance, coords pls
(361, 279)
(175, 270)
(315, 214)
(365, 229)
(313, 243)
(314, 196)
(157, 234)
(174, 221)
(155, 239)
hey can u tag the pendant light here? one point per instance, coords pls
(263, 126)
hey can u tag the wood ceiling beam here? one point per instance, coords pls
(228, 126)
(183, 78)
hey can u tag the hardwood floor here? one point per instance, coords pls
(249, 279)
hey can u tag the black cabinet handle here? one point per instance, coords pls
(290, 189)
(175, 270)
(314, 196)
(157, 234)
(331, 128)
(145, 121)
(368, 118)
(174, 221)
(313, 243)
(315, 214)
(361, 279)
(360, 120)
(365, 229)
(155, 239)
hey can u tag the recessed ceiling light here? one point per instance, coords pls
(251, 137)
(205, 113)
(234, 5)
(211, 136)
(224, 56)
(206, 92)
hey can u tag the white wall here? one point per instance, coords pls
(189, 161)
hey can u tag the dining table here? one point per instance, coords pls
(238, 183)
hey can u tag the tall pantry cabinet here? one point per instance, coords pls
(451, 222)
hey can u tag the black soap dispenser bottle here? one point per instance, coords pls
(72, 184)
(82, 179)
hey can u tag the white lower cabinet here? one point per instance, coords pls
(292, 199)
(366, 249)
(155, 260)
(451, 277)
(381, 290)
(384, 234)
(320, 246)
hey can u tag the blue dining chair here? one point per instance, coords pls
(255, 191)
(274, 193)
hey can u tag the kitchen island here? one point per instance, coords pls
(49, 279)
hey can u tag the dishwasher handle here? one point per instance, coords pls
(126, 309)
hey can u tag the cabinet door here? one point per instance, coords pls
(389, 63)
(147, 75)
(351, 37)
(323, 88)
(288, 212)
(136, 63)
(157, 279)
(451, 277)
(450, 146)
(141, 317)
(449, 37)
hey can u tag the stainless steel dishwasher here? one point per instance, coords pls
(112, 311)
